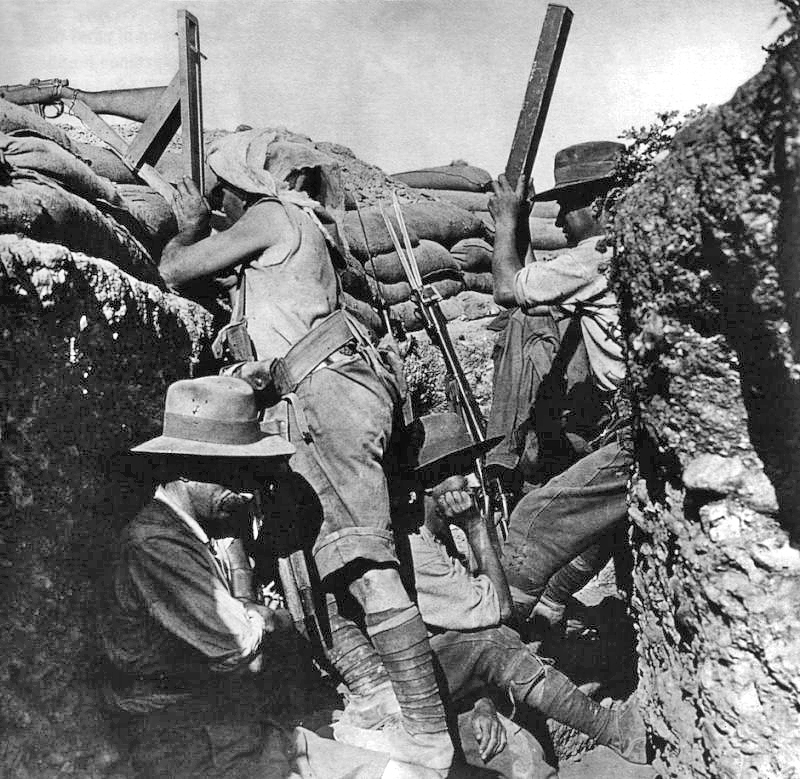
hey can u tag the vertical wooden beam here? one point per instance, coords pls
(191, 102)
(552, 40)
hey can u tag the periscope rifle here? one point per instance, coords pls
(162, 110)
(458, 391)
(52, 93)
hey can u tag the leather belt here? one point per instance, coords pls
(314, 348)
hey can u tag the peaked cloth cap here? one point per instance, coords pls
(583, 163)
(442, 446)
(213, 416)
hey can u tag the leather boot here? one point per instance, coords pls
(622, 730)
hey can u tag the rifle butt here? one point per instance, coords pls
(136, 104)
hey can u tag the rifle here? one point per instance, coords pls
(161, 110)
(136, 104)
(458, 390)
(407, 410)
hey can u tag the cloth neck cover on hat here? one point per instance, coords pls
(259, 162)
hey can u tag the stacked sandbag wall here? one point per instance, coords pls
(435, 229)
(57, 190)
(707, 270)
(469, 187)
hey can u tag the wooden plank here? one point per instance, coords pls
(191, 97)
(158, 129)
(552, 40)
(105, 133)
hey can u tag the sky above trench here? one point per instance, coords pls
(404, 83)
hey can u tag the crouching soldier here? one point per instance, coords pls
(184, 652)
(464, 599)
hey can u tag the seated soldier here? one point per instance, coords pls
(184, 653)
(463, 598)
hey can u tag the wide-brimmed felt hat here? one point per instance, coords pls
(213, 416)
(581, 164)
(440, 446)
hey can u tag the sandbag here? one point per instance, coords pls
(411, 319)
(545, 234)
(401, 290)
(19, 120)
(477, 305)
(488, 222)
(48, 158)
(365, 314)
(106, 163)
(380, 241)
(479, 282)
(466, 178)
(479, 201)
(473, 254)
(442, 222)
(353, 280)
(40, 209)
(152, 213)
(14, 118)
(469, 201)
(431, 258)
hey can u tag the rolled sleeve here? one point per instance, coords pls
(552, 282)
(184, 593)
(449, 596)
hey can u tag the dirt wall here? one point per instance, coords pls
(707, 270)
(86, 354)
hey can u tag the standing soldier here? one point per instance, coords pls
(277, 196)
(572, 515)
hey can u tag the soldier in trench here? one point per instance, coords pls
(465, 602)
(185, 655)
(278, 197)
(562, 532)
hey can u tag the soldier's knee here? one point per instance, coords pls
(524, 671)
(379, 589)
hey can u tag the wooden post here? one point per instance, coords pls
(191, 103)
(541, 81)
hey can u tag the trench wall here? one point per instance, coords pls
(706, 268)
(87, 353)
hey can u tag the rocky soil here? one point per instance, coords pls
(707, 272)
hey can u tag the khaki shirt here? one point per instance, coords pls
(576, 282)
(449, 595)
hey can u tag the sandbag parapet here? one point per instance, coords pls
(36, 206)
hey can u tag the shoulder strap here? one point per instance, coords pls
(239, 305)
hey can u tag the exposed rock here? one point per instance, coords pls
(713, 473)
(478, 305)
(708, 292)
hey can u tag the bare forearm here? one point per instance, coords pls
(507, 261)
(184, 260)
(488, 562)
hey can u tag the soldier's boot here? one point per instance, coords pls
(557, 697)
